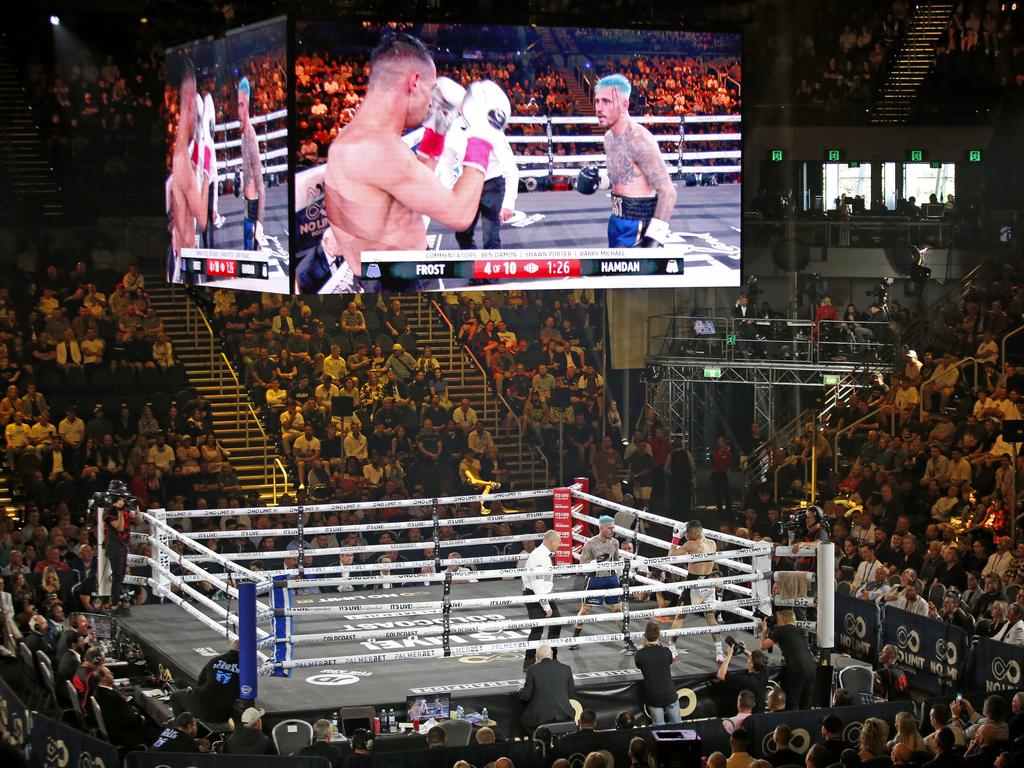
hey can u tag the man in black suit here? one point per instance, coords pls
(126, 726)
(783, 755)
(323, 731)
(548, 687)
(1016, 723)
(38, 639)
(69, 662)
(945, 756)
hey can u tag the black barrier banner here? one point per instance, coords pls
(857, 627)
(15, 720)
(213, 760)
(996, 667)
(806, 725)
(56, 745)
(932, 653)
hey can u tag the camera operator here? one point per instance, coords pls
(811, 528)
(797, 678)
(119, 511)
(754, 678)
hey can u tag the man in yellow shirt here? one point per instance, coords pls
(17, 435)
(41, 435)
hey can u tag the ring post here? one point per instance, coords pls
(247, 641)
(283, 625)
(826, 587)
(563, 524)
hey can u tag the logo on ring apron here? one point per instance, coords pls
(337, 677)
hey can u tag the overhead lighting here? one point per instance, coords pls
(55, 21)
(143, 20)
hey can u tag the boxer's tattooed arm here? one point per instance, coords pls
(646, 154)
(252, 167)
(616, 149)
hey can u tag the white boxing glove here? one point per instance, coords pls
(487, 110)
(445, 101)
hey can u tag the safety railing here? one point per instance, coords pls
(873, 414)
(731, 339)
(869, 340)
(858, 232)
(1002, 344)
(221, 365)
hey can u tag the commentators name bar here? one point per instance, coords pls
(224, 263)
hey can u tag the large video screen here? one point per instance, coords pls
(226, 190)
(440, 156)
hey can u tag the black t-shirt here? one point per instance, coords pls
(655, 664)
(793, 643)
(218, 684)
(756, 683)
(173, 740)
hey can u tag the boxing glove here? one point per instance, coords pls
(486, 110)
(678, 533)
(445, 101)
(655, 234)
(589, 180)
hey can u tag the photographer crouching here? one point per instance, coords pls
(798, 674)
(754, 678)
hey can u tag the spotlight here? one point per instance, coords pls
(143, 20)
(55, 21)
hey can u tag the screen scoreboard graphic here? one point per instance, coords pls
(619, 167)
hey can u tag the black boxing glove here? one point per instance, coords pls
(655, 234)
(589, 180)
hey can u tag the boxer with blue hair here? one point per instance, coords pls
(603, 548)
(253, 192)
(643, 194)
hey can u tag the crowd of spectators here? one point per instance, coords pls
(93, 393)
(980, 56)
(362, 406)
(97, 108)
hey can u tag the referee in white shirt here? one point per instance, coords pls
(538, 581)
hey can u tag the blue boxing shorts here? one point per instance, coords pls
(602, 582)
(252, 212)
(629, 219)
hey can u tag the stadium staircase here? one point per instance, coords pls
(236, 425)
(466, 378)
(911, 64)
(29, 189)
(559, 49)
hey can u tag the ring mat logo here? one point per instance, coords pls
(337, 677)
(487, 658)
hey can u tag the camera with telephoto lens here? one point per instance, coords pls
(737, 647)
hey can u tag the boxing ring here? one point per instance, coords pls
(380, 631)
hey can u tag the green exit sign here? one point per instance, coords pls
(776, 155)
(853, 164)
(712, 373)
(974, 156)
(730, 339)
(916, 155)
(935, 165)
(835, 155)
(830, 380)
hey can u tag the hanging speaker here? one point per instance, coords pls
(791, 255)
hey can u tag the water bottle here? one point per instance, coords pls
(392, 723)
(459, 712)
(484, 715)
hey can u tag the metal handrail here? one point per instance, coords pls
(936, 375)
(1002, 347)
(857, 423)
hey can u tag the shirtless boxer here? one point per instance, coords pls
(697, 543)
(253, 193)
(643, 195)
(603, 548)
(188, 200)
(376, 191)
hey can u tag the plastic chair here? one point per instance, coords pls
(76, 707)
(31, 676)
(291, 735)
(457, 732)
(859, 681)
(45, 671)
(560, 729)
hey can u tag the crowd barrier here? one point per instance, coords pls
(937, 657)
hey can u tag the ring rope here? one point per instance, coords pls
(358, 506)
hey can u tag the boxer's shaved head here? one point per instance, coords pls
(402, 75)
